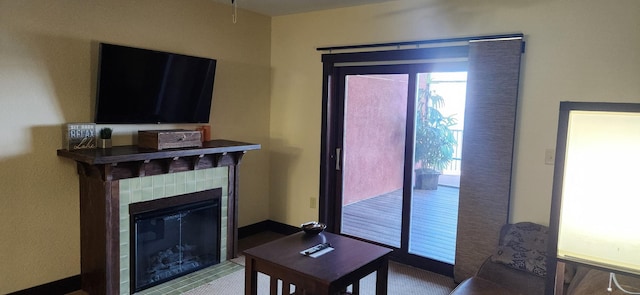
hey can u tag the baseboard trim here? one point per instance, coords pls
(59, 287)
(266, 225)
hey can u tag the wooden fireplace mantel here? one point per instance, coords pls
(100, 170)
(129, 161)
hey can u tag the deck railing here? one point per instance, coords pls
(454, 166)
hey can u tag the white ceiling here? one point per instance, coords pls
(283, 7)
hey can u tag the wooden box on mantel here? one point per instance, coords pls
(169, 139)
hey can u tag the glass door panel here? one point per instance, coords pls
(440, 100)
(384, 195)
(374, 131)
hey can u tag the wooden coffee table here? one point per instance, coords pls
(329, 273)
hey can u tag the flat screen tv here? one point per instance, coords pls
(141, 86)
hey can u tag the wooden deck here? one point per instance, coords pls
(433, 226)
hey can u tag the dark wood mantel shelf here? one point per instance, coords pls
(100, 172)
(130, 161)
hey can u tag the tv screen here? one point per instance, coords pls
(138, 86)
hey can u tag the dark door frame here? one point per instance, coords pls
(331, 179)
(330, 111)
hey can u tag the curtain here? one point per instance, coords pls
(485, 184)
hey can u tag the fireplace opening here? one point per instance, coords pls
(175, 236)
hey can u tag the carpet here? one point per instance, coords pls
(403, 279)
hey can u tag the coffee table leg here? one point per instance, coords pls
(382, 275)
(250, 279)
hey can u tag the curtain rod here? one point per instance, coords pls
(406, 43)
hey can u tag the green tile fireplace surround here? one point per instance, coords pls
(111, 179)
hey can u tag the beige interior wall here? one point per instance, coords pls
(576, 50)
(47, 77)
(268, 91)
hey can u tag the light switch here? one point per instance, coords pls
(549, 156)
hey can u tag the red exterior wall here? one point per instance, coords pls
(374, 135)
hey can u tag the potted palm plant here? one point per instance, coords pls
(435, 141)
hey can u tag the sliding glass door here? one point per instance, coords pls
(398, 123)
(492, 63)
(439, 128)
(375, 126)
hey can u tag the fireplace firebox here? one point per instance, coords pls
(175, 236)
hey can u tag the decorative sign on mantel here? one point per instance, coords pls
(81, 136)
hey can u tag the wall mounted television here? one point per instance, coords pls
(141, 86)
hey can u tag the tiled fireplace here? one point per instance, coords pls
(164, 186)
(114, 180)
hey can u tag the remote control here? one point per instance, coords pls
(317, 248)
